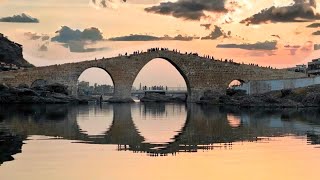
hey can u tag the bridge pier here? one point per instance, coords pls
(122, 93)
(73, 89)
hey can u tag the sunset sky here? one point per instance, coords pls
(280, 33)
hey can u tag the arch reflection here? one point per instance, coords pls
(159, 123)
(234, 121)
(204, 127)
(95, 121)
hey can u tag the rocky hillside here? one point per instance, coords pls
(11, 53)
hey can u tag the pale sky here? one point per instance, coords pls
(294, 40)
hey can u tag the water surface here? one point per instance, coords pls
(158, 141)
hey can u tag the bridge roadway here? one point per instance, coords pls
(200, 74)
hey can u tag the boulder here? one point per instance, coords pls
(23, 86)
(236, 92)
(285, 92)
(26, 92)
(3, 87)
(57, 88)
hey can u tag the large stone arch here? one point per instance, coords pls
(177, 67)
(192, 69)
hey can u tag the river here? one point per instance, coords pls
(157, 141)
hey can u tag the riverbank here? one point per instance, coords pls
(58, 94)
(288, 98)
(161, 98)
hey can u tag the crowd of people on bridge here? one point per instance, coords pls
(160, 88)
(191, 54)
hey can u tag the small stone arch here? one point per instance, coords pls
(236, 85)
(240, 81)
(97, 67)
(38, 83)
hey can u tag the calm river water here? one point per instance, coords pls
(157, 141)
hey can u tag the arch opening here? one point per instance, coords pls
(95, 82)
(38, 83)
(237, 86)
(161, 77)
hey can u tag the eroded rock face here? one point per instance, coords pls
(11, 53)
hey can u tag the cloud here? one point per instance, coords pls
(138, 37)
(300, 11)
(314, 25)
(179, 38)
(43, 47)
(267, 45)
(77, 40)
(189, 9)
(22, 18)
(35, 36)
(292, 48)
(135, 37)
(206, 26)
(308, 46)
(66, 34)
(80, 47)
(275, 35)
(317, 33)
(261, 53)
(216, 33)
(106, 3)
(32, 36)
(45, 37)
(112, 3)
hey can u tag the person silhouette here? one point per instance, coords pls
(101, 99)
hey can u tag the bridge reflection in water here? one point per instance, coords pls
(193, 127)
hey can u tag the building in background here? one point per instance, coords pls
(84, 88)
(299, 68)
(314, 67)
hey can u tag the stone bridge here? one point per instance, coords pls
(200, 74)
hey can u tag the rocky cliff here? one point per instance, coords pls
(11, 53)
